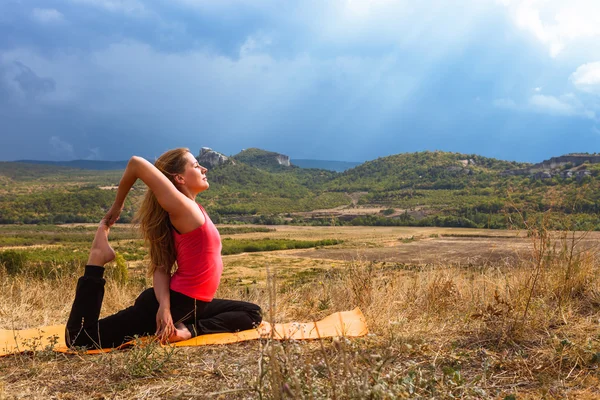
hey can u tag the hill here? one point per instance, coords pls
(262, 159)
(243, 190)
(424, 170)
(424, 189)
(454, 189)
(46, 193)
(23, 170)
(82, 164)
(338, 166)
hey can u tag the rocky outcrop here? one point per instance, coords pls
(567, 166)
(210, 158)
(462, 167)
(455, 169)
(563, 174)
(282, 159)
(465, 163)
(524, 171)
(575, 159)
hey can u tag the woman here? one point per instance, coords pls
(177, 229)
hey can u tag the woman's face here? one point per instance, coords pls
(194, 175)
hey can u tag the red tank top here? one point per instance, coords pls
(199, 263)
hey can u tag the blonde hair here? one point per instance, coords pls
(153, 221)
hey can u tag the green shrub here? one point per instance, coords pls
(13, 261)
(118, 272)
(233, 246)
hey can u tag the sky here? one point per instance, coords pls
(348, 80)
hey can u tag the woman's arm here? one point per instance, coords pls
(171, 199)
(164, 320)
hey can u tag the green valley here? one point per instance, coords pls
(258, 186)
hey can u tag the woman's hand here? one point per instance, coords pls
(164, 324)
(113, 214)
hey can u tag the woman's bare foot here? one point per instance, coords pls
(181, 333)
(101, 252)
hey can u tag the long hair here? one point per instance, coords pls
(153, 220)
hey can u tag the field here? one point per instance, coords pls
(452, 313)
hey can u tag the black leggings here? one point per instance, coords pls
(85, 329)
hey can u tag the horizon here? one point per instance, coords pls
(316, 159)
(344, 80)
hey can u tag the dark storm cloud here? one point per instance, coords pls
(333, 80)
(31, 84)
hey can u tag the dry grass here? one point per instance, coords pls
(528, 328)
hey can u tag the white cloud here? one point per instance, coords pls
(434, 24)
(567, 105)
(353, 19)
(47, 15)
(255, 44)
(137, 78)
(371, 23)
(551, 105)
(224, 4)
(570, 31)
(95, 154)
(61, 148)
(587, 77)
(505, 103)
(558, 24)
(124, 6)
(264, 93)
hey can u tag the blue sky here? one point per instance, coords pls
(345, 80)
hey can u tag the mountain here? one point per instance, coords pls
(82, 164)
(426, 170)
(338, 166)
(277, 162)
(573, 165)
(430, 188)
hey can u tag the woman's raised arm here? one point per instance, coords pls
(171, 199)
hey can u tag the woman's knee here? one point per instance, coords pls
(253, 310)
(255, 313)
(146, 300)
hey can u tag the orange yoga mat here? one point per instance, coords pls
(346, 323)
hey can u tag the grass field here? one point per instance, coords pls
(453, 313)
